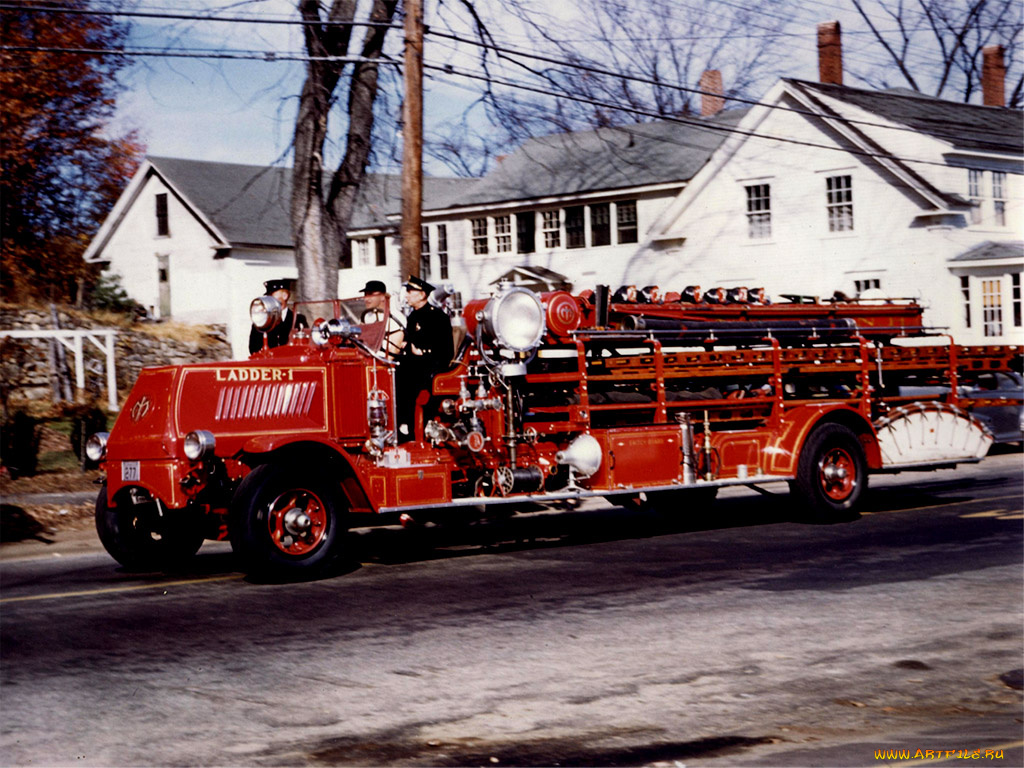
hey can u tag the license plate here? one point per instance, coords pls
(130, 471)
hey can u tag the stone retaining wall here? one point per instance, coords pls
(25, 371)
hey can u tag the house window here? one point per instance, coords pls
(974, 178)
(552, 226)
(479, 227)
(1015, 298)
(759, 211)
(380, 243)
(839, 191)
(965, 291)
(163, 229)
(503, 234)
(442, 250)
(575, 232)
(992, 307)
(867, 284)
(999, 198)
(425, 253)
(600, 224)
(362, 252)
(625, 219)
(526, 224)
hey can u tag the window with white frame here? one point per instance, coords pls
(839, 201)
(867, 284)
(380, 243)
(363, 253)
(552, 228)
(965, 292)
(625, 221)
(479, 234)
(999, 198)
(442, 250)
(575, 229)
(425, 253)
(974, 182)
(503, 234)
(759, 211)
(600, 224)
(526, 224)
(992, 306)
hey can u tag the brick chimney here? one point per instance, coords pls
(711, 96)
(993, 76)
(830, 53)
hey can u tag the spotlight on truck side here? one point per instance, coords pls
(514, 319)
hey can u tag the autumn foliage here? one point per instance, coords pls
(62, 169)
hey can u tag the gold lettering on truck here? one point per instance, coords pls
(256, 374)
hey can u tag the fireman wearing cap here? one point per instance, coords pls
(375, 295)
(428, 350)
(281, 290)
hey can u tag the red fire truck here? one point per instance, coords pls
(647, 400)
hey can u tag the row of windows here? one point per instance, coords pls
(838, 206)
(992, 303)
(569, 224)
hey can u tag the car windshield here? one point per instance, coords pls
(372, 321)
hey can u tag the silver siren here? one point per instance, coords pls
(583, 454)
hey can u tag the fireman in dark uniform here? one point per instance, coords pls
(428, 350)
(281, 290)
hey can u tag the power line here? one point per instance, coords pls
(200, 54)
(193, 17)
(707, 126)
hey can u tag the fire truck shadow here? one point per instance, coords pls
(596, 522)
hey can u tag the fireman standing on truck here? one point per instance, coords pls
(428, 350)
(281, 290)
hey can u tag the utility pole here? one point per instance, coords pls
(412, 141)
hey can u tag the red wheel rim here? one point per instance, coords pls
(837, 473)
(297, 521)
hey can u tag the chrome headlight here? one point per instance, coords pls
(265, 313)
(514, 319)
(96, 446)
(198, 444)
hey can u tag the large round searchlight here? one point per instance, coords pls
(265, 313)
(514, 319)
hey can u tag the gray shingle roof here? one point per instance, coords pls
(990, 250)
(604, 159)
(965, 126)
(249, 203)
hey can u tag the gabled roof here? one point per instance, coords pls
(621, 157)
(247, 205)
(964, 126)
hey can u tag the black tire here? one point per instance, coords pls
(831, 475)
(143, 536)
(288, 523)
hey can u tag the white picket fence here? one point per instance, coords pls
(74, 341)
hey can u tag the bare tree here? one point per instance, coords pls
(321, 207)
(936, 45)
(598, 63)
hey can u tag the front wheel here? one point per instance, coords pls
(287, 523)
(832, 472)
(143, 535)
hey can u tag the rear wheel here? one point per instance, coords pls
(143, 535)
(832, 472)
(287, 522)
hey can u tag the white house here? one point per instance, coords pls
(195, 241)
(825, 188)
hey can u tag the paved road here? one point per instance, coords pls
(594, 637)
